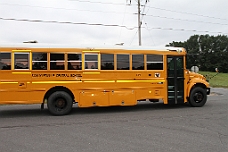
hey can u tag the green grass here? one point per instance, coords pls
(220, 80)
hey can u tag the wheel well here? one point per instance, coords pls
(199, 85)
(196, 85)
(58, 88)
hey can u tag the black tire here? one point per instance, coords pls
(198, 97)
(59, 103)
(154, 100)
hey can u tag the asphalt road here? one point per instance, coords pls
(145, 127)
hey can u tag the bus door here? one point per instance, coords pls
(175, 78)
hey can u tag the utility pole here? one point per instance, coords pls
(139, 19)
(139, 23)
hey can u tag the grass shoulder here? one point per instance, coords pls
(216, 80)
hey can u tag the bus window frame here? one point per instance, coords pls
(10, 61)
(129, 61)
(114, 62)
(57, 61)
(34, 61)
(18, 53)
(143, 61)
(74, 61)
(155, 61)
(97, 61)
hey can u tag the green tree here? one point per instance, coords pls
(205, 51)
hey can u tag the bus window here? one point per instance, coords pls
(180, 67)
(39, 61)
(21, 60)
(5, 61)
(154, 62)
(137, 62)
(123, 62)
(91, 61)
(56, 61)
(107, 61)
(74, 61)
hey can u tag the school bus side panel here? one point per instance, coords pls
(120, 88)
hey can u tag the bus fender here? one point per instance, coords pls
(192, 85)
(57, 88)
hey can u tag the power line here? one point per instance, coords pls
(156, 8)
(122, 21)
(86, 1)
(67, 9)
(67, 22)
(185, 19)
(133, 37)
(144, 7)
(107, 25)
(184, 30)
(188, 13)
(149, 32)
(143, 14)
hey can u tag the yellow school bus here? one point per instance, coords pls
(97, 76)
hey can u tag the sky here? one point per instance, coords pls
(110, 22)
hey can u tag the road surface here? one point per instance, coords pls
(145, 127)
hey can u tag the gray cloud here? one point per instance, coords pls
(161, 24)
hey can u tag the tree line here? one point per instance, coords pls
(205, 51)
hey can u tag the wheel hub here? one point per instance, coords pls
(60, 103)
(198, 97)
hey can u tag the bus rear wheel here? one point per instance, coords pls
(198, 97)
(59, 103)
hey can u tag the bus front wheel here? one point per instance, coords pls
(198, 97)
(59, 103)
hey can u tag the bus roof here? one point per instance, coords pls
(114, 47)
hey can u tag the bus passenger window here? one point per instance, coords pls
(5, 61)
(39, 61)
(107, 61)
(123, 62)
(21, 60)
(154, 62)
(74, 61)
(137, 62)
(57, 61)
(91, 61)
